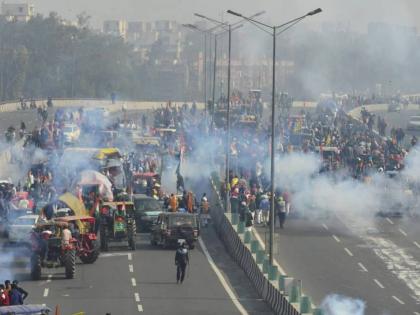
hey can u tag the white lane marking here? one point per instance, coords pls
(325, 226)
(417, 244)
(402, 232)
(133, 282)
(379, 284)
(130, 256)
(336, 238)
(398, 300)
(416, 313)
(140, 308)
(131, 268)
(137, 297)
(389, 220)
(348, 252)
(46, 291)
(49, 278)
(259, 239)
(362, 267)
(222, 280)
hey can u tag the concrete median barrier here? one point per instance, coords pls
(283, 293)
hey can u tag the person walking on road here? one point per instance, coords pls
(181, 261)
(281, 211)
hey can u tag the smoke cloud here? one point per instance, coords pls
(335, 304)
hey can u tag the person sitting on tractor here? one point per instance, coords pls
(66, 236)
(45, 236)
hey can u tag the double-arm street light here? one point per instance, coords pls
(205, 34)
(274, 31)
(229, 28)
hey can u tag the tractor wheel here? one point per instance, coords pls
(92, 256)
(36, 268)
(104, 239)
(131, 233)
(70, 263)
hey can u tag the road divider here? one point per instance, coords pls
(281, 292)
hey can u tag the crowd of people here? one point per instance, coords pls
(11, 293)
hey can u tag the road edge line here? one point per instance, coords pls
(222, 279)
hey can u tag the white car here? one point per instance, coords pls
(20, 229)
(414, 123)
(71, 133)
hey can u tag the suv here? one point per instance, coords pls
(173, 227)
(147, 210)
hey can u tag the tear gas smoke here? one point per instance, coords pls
(335, 304)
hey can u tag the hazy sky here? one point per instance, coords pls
(357, 12)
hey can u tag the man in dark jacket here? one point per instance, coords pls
(21, 290)
(15, 296)
(181, 261)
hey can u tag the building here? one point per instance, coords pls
(20, 12)
(116, 28)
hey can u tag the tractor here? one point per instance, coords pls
(117, 224)
(49, 250)
(86, 245)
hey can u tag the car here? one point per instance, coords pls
(147, 210)
(71, 133)
(19, 231)
(171, 228)
(414, 123)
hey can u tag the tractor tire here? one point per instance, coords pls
(104, 239)
(93, 255)
(70, 263)
(36, 269)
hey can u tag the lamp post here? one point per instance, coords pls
(230, 28)
(205, 33)
(274, 33)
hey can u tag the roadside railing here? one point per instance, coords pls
(282, 292)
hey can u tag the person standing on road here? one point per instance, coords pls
(21, 290)
(281, 211)
(182, 259)
(15, 296)
(173, 203)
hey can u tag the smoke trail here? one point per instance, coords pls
(336, 304)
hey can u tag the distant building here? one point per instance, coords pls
(116, 28)
(21, 12)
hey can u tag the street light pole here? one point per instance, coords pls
(274, 34)
(227, 201)
(273, 149)
(205, 73)
(230, 29)
(214, 75)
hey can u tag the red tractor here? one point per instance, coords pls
(58, 242)
(87, 247)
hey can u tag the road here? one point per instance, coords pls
(143, 281)
(372, 262)
(374, 259)
(125, 282)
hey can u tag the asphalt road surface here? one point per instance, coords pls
(375, 261)
(141, 281)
